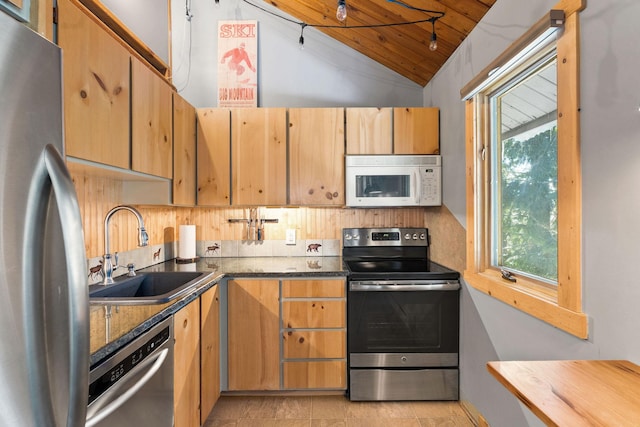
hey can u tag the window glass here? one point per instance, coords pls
(524, 172)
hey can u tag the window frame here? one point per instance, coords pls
(559, 306)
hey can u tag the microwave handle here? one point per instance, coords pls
(417, 186)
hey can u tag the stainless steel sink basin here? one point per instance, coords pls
(148, 288)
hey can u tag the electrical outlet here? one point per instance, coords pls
(290, 238)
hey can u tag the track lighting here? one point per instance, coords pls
(433, 45)
(341, 15)
(341, 12)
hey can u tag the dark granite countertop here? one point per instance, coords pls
(113, 327)
(261, 266)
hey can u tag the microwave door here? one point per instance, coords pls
(382, 186)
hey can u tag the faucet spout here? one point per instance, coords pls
(143, 240)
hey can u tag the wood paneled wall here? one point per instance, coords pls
(98, 195)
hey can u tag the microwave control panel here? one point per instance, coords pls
(431, 183)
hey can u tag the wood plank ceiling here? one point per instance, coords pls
(402, 48)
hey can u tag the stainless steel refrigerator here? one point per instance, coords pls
(44, 308)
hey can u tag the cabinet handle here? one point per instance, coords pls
(184, 324)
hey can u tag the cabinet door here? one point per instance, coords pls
(319, 344)
(186, 368)
(319, 288)
(214, 156)
(253, 335)
(316, 163)
(416, 131)
(184, 152)
(315, 374)
(209, 351)
(259, 154)
(151, 124)
(369, 131)
(314, 314)
(96, 89)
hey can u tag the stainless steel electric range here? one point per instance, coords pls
(403, 315)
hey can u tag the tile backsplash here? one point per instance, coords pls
(155, 254)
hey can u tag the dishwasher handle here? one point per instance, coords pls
(115, 404)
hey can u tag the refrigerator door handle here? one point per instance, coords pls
(51, 173)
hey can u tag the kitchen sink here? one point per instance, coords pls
(148, 288)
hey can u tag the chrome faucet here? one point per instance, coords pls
(143, 240)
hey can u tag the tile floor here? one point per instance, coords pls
(332, 411)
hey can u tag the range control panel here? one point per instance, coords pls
(385, 237)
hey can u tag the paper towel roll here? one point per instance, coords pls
(187, 242)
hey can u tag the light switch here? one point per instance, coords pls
(290, 238)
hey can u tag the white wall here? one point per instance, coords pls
(325, 74)
(149, 21)
(610, 128)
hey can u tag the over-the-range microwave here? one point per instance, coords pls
(393, 180)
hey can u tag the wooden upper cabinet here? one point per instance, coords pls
(416, 130)
(214, 157)
(369, 130)
(151, 124)
(316, 156)
(96, 89)
(184, 152)
(259, 156)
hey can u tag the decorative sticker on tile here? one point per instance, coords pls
(314, 248)
(213, 249)
(96, 273)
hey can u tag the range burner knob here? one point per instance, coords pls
(422, 236)
(415, 236)
(347, 236)
(407, 236)
(356, 237)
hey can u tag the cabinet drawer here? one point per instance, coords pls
(313, 314)
(314, 344)
(329, 374)
(313, 288)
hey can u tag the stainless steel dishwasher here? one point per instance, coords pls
(134, 387)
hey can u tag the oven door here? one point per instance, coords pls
(403, 323)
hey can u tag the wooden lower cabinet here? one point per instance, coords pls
(314, 335)
(186, 367)
(287, 334)
(196, 368)
(209, 351)
(316, 344)
(315, 374)
(253, 326)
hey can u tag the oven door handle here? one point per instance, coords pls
(400, 285)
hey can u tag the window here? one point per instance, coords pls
(524, 171)
(523, 175)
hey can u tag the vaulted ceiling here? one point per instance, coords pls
(402, 48)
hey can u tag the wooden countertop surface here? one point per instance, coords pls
(575, 392)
